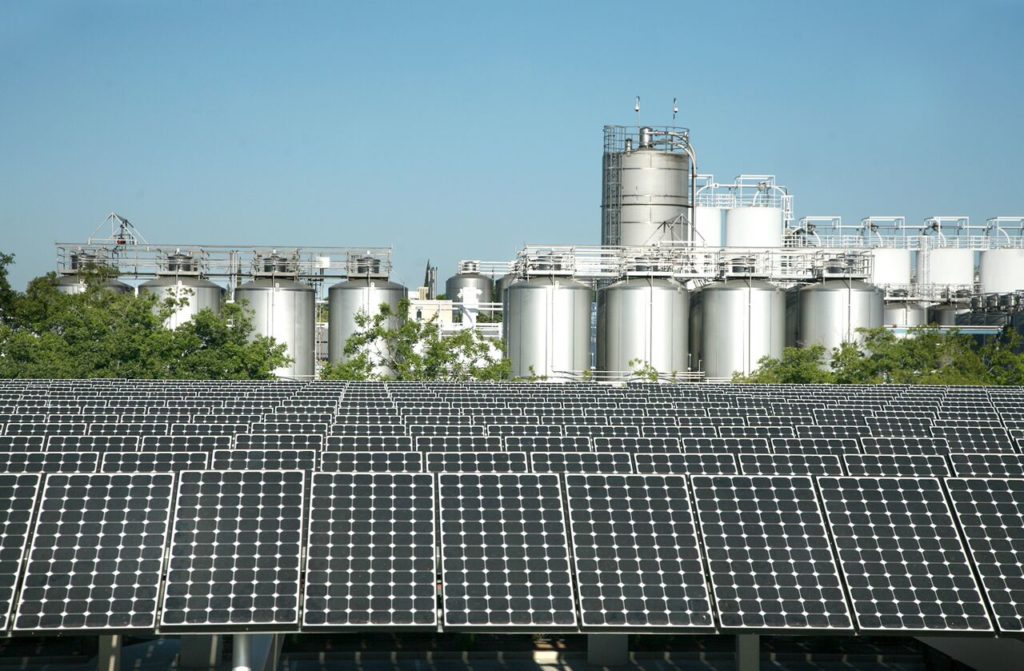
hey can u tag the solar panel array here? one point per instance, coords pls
(192, 507)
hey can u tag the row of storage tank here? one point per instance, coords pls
(722, 328)
(283, 309)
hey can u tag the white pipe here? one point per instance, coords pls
(241, 653)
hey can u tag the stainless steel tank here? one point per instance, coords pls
(749, 226)
(347, 300)
(831, 312)
(945, 314)
(646, 190)
(195, 293)
(743, 320)
(643, 319)
(284, 310)
(904, 314)
(75, 284)
(457, 283)
(547, 327)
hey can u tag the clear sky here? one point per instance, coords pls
(466, 130)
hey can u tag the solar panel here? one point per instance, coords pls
(899, 549)
(974, 439)
(446, 430)
(839, 417)
(834, 431)
(370, 558)
(635, 445)
(92, 443)
(692, 463)
(790, 464)
(756, 432)
(779, 420)
(988, 464)
(690, 432)
(459, 443)
(144, 418)
(185, 443)
(637, 420)
(478, 462)
(504, 557)
(153, 462)
(234, 553)
(212, 429)
(836, 446)
(367, 462)
(990, 513)
(770, 561)
(37, 429)
(896, 426)
(97, 553)
(636, 555)
(598, 431)
(370, 443)
(49, 462)
(547, 443)
(904, 445)
(312, 441)
(898, 465)
(128, 429)
(734, 445)
(18, 492)
(22, 443)
(264, 460)
(580, 462)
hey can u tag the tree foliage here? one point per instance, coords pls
(389, 346)
(99, 333)
(926, 356)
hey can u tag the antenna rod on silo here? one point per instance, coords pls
(636, 107)
(675, 108)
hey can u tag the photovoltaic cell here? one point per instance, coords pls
(49, 462)
(153, 462)
(974, 439)
(580, 462)
(904, 445)
(905, 567)
(504, 558)
(637, 558)
(22, 443)
(687, 463)
(836, 446)
(186, 443)
(235, 548)
(367, 462)
(18, 492)
(897, 465)
(991, 514)
(547, 443)
(92, 443)
(370, 558)
(638, 445)
(97, 553)
(459, 443)
(733, 445)
(370, 443)
(770, 560)
(790, 464)
(260, 441)
(988, 464)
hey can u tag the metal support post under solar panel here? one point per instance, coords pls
(607, 649)
(109, 656)
(199, 653)
(748, 652)
(241, 652)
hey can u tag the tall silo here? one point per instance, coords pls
(753, 226)
(73, 280)
(284, 309)
(743, 320)
(646, 186)
(547, 327)
(900, 313)
(1001, 271)
(708, 225)
(643, 319)
(361, 296)
(181, 280)
(833, 311)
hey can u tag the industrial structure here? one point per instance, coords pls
(694, 279)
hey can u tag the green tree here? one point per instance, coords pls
(100, 333)
(796, 366)
(410, 350)
(7, 294)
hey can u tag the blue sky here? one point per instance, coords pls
(466, 130)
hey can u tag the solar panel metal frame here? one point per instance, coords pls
(364, 579)
(681, 576)
(49, 553)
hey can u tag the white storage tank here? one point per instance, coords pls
(643, 319)
(346, 300)
(284, 310)
(547, 327)
(708, 223)
(891, 266)
(75, 284)
(945, 314)
(949, 266)
(832, 312)
(742, 321)
(1001, 271)
(752, 226)
(904, 314)
(194, 293)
